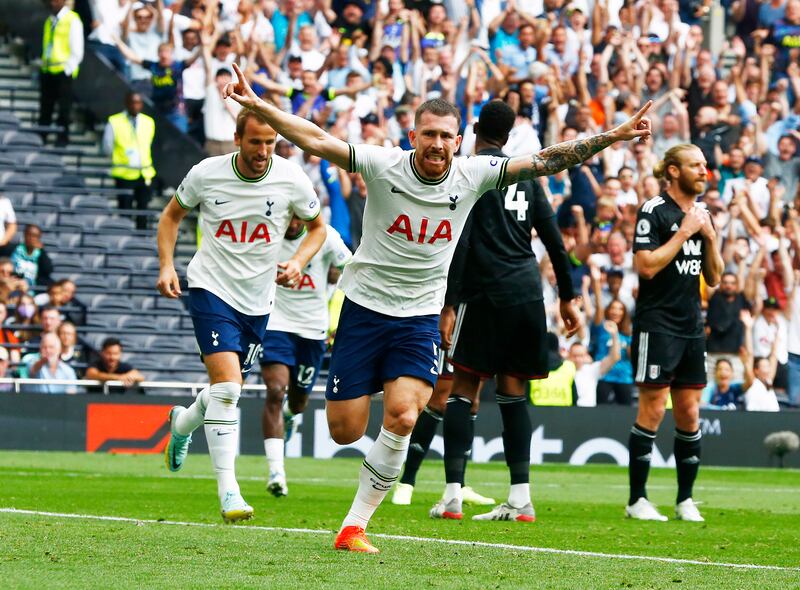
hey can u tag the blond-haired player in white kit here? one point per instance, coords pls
(247, 200)
(388, 337)
(295, 345)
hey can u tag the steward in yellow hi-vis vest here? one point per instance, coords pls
(62, 54)
(128, 139)
(556, 388)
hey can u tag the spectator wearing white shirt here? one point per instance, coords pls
(107, 17)
(589, 372)
(219, 115)
(759, 372)
(8, 226)
(193, 88)
(47, 364)
(753, 184)
(143, 39)
(62, 54)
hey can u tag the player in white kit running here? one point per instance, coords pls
(295, 345)
(246, 201)
(388, 334)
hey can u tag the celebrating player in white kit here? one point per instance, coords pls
(295, 345)
(388, 337)
(247, 200)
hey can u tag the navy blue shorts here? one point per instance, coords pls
(218, 327)
(372, 348)
(303, 356)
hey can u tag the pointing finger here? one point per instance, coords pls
(643, 110)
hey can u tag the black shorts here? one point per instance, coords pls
(661, 360)
(489, 340)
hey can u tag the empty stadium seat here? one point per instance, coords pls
(128, 322)
(8, 121)
(24, 139)
(104, 301)
(80, 202)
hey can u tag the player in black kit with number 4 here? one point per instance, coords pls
(500, 328)
(674, 243)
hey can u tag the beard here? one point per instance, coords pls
(690, 187)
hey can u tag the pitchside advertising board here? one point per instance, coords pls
(138, 424)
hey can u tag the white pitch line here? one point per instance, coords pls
(526, 548)
(432, 482)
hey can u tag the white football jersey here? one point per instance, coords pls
(411, 228)
(243, 221)
(303, 309)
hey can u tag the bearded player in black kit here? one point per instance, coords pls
(674, 243)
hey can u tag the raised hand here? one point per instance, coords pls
(240, 91)
(637, 126)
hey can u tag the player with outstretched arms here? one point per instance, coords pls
(246, 200)
(388, 338)
(674, 244)
(295, 344)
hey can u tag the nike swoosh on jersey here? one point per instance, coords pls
(218, 202)
(398, 192)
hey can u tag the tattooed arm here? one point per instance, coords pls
(570, 153)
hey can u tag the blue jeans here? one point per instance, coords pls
(794, 379)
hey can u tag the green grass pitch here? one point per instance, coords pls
(752, 519)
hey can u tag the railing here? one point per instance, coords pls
(256, 390)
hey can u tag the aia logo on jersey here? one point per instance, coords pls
(402, 225)
(305, 282)
(243, 234)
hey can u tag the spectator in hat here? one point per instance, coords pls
(47, 364)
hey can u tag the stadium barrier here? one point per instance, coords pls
(138, 424)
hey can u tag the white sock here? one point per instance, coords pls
(519, 495)
(222, 434)
(190, 420)
(452, 491)
(379, 471)
(273, 447)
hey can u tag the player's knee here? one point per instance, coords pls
(402, 420)
(275, 390)
(344, 433)
(687, 417)
(226, 392)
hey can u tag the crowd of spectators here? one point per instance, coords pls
(359, 68)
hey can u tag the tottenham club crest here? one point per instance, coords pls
(269, 208)
(453, 202)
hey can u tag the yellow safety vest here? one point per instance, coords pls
(556, 389)
(126, 141)
(55, 44)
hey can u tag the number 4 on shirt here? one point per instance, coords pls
(515, 201)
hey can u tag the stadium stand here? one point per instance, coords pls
(90, 241)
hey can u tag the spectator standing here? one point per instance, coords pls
(725, 330)
(794, 339)
(144, 39)
(219, 115)
(8, 226)
(62, 54)
(128, 139)
(107, 17)
(30, 259)
(109, 367)
(759, 372)
(47, 364)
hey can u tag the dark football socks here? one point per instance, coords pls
(687, 461)
(640, 448)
